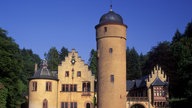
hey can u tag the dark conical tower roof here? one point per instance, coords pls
(110, 17)
(43, 72)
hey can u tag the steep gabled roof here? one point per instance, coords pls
(129, 85)
(135, 84)
(158, 82)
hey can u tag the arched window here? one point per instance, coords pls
(88, 105)
(45, 103)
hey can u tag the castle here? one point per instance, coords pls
(73, 86)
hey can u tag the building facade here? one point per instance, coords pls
(71, 87)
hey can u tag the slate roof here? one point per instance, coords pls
(111, 17)
(44, 73)
(135, 84)
(158, 82)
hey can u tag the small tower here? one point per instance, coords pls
(43, 88)
(111, 49)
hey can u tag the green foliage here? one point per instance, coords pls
(133, 64)
(15, 68)
(93, 62)
(182, 52)
(3, 96)
(10, 67)
(52, 58)
(29, 59)
(63, 53)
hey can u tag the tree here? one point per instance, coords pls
(62, 54)
(10, 69)
(188, 30)
(177, 36)
(142, 62)
(93, 62)
(3, 96)
(52, 58)
(133, 65)
(29, 59)
(182, 51)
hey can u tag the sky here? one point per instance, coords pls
(41, 24)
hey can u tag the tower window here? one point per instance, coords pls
(105, 29)
(48, 86)
(112, 78)
(34, 86)
(110, 50)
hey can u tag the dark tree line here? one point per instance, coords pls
(175, 58)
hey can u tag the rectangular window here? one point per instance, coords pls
(71, 87)
(79, 74)
(34, 86)
(67, 88)
(112, 78)
(110, 50)
(48, 86)
(86, 87)
(63, 87)
(66, 73)
(75, 87)
(64, 104)
(73, 105)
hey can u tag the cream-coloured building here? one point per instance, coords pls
(149, 91)
(71, 87)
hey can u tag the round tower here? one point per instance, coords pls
(43, 88)
(111, 49)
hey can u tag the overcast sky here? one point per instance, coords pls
(42, 24)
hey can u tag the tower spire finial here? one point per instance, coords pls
(111, 6)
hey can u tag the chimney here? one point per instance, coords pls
(35, 67)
